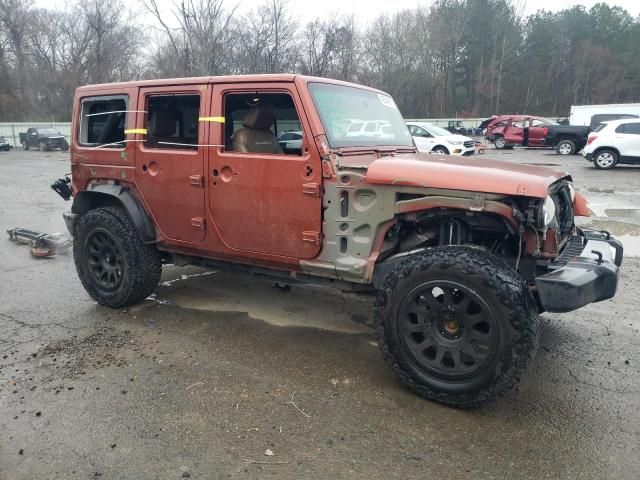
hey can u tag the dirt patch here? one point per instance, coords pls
(74, 356)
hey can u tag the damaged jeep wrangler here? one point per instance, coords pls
(313, 180)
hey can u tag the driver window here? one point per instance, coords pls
(263, 123)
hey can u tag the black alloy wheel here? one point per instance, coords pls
(449, 329)
(105, 258)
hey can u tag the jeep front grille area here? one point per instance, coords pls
(469, 144)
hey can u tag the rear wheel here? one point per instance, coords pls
(565, 147)
(42, 146)
(25, 146)
(457, 325)
(605, 159)
(113, 264)
(499, 142)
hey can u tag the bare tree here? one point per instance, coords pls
(199, 42)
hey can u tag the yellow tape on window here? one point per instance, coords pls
(212, 119)
(136, 130)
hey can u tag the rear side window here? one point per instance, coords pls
(172, 121)
(103, 120)
(630, 128)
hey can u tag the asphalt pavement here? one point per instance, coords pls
(223, 376)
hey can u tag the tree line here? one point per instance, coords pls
(452, 58)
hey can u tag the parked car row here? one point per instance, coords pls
(507, 131)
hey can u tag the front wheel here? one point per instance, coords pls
(440, 150)
(605, 159)
(565, 147)
(456, 325)
(115, 267)
(42, 146)
(499, 142)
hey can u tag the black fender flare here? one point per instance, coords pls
(111, 194)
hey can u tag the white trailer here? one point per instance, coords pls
(583, 114)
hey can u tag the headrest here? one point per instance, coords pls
(164, 122)
(259, 117)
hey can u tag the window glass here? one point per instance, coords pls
(632, 128)
(172, 121)
(266, 123)
(607, 117)
(600, 127)
(370, 127)
(340, 107)
(438, 131)
(48, 131)
(538, 123)
(103, 120)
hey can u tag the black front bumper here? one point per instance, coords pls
(585, 272)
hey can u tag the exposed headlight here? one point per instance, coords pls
(549, 210)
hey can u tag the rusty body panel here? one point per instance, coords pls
(462, 173)
(326, 212)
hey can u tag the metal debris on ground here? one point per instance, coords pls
(42, 244)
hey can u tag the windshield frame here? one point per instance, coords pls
(360, 142)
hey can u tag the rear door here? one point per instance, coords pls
(628, 139)
(270, 203)
(170, 158)
(537, 131)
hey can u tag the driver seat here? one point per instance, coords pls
(256, 136)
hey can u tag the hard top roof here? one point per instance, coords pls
(258, 78)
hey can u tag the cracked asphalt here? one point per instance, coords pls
(215, 369)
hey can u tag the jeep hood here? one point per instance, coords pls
(463, 173)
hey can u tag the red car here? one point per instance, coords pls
(507, 131)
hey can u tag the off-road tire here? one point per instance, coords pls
(25, 146)
(600, 163)
(565, 147)
(440, 150)
(42, 146)
(140, 263)
(499, 142)
(502, 290)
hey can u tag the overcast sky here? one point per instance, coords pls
(367, 10)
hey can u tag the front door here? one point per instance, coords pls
(170, 159)
(514, 132)
(265, 193)
(423, 139)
